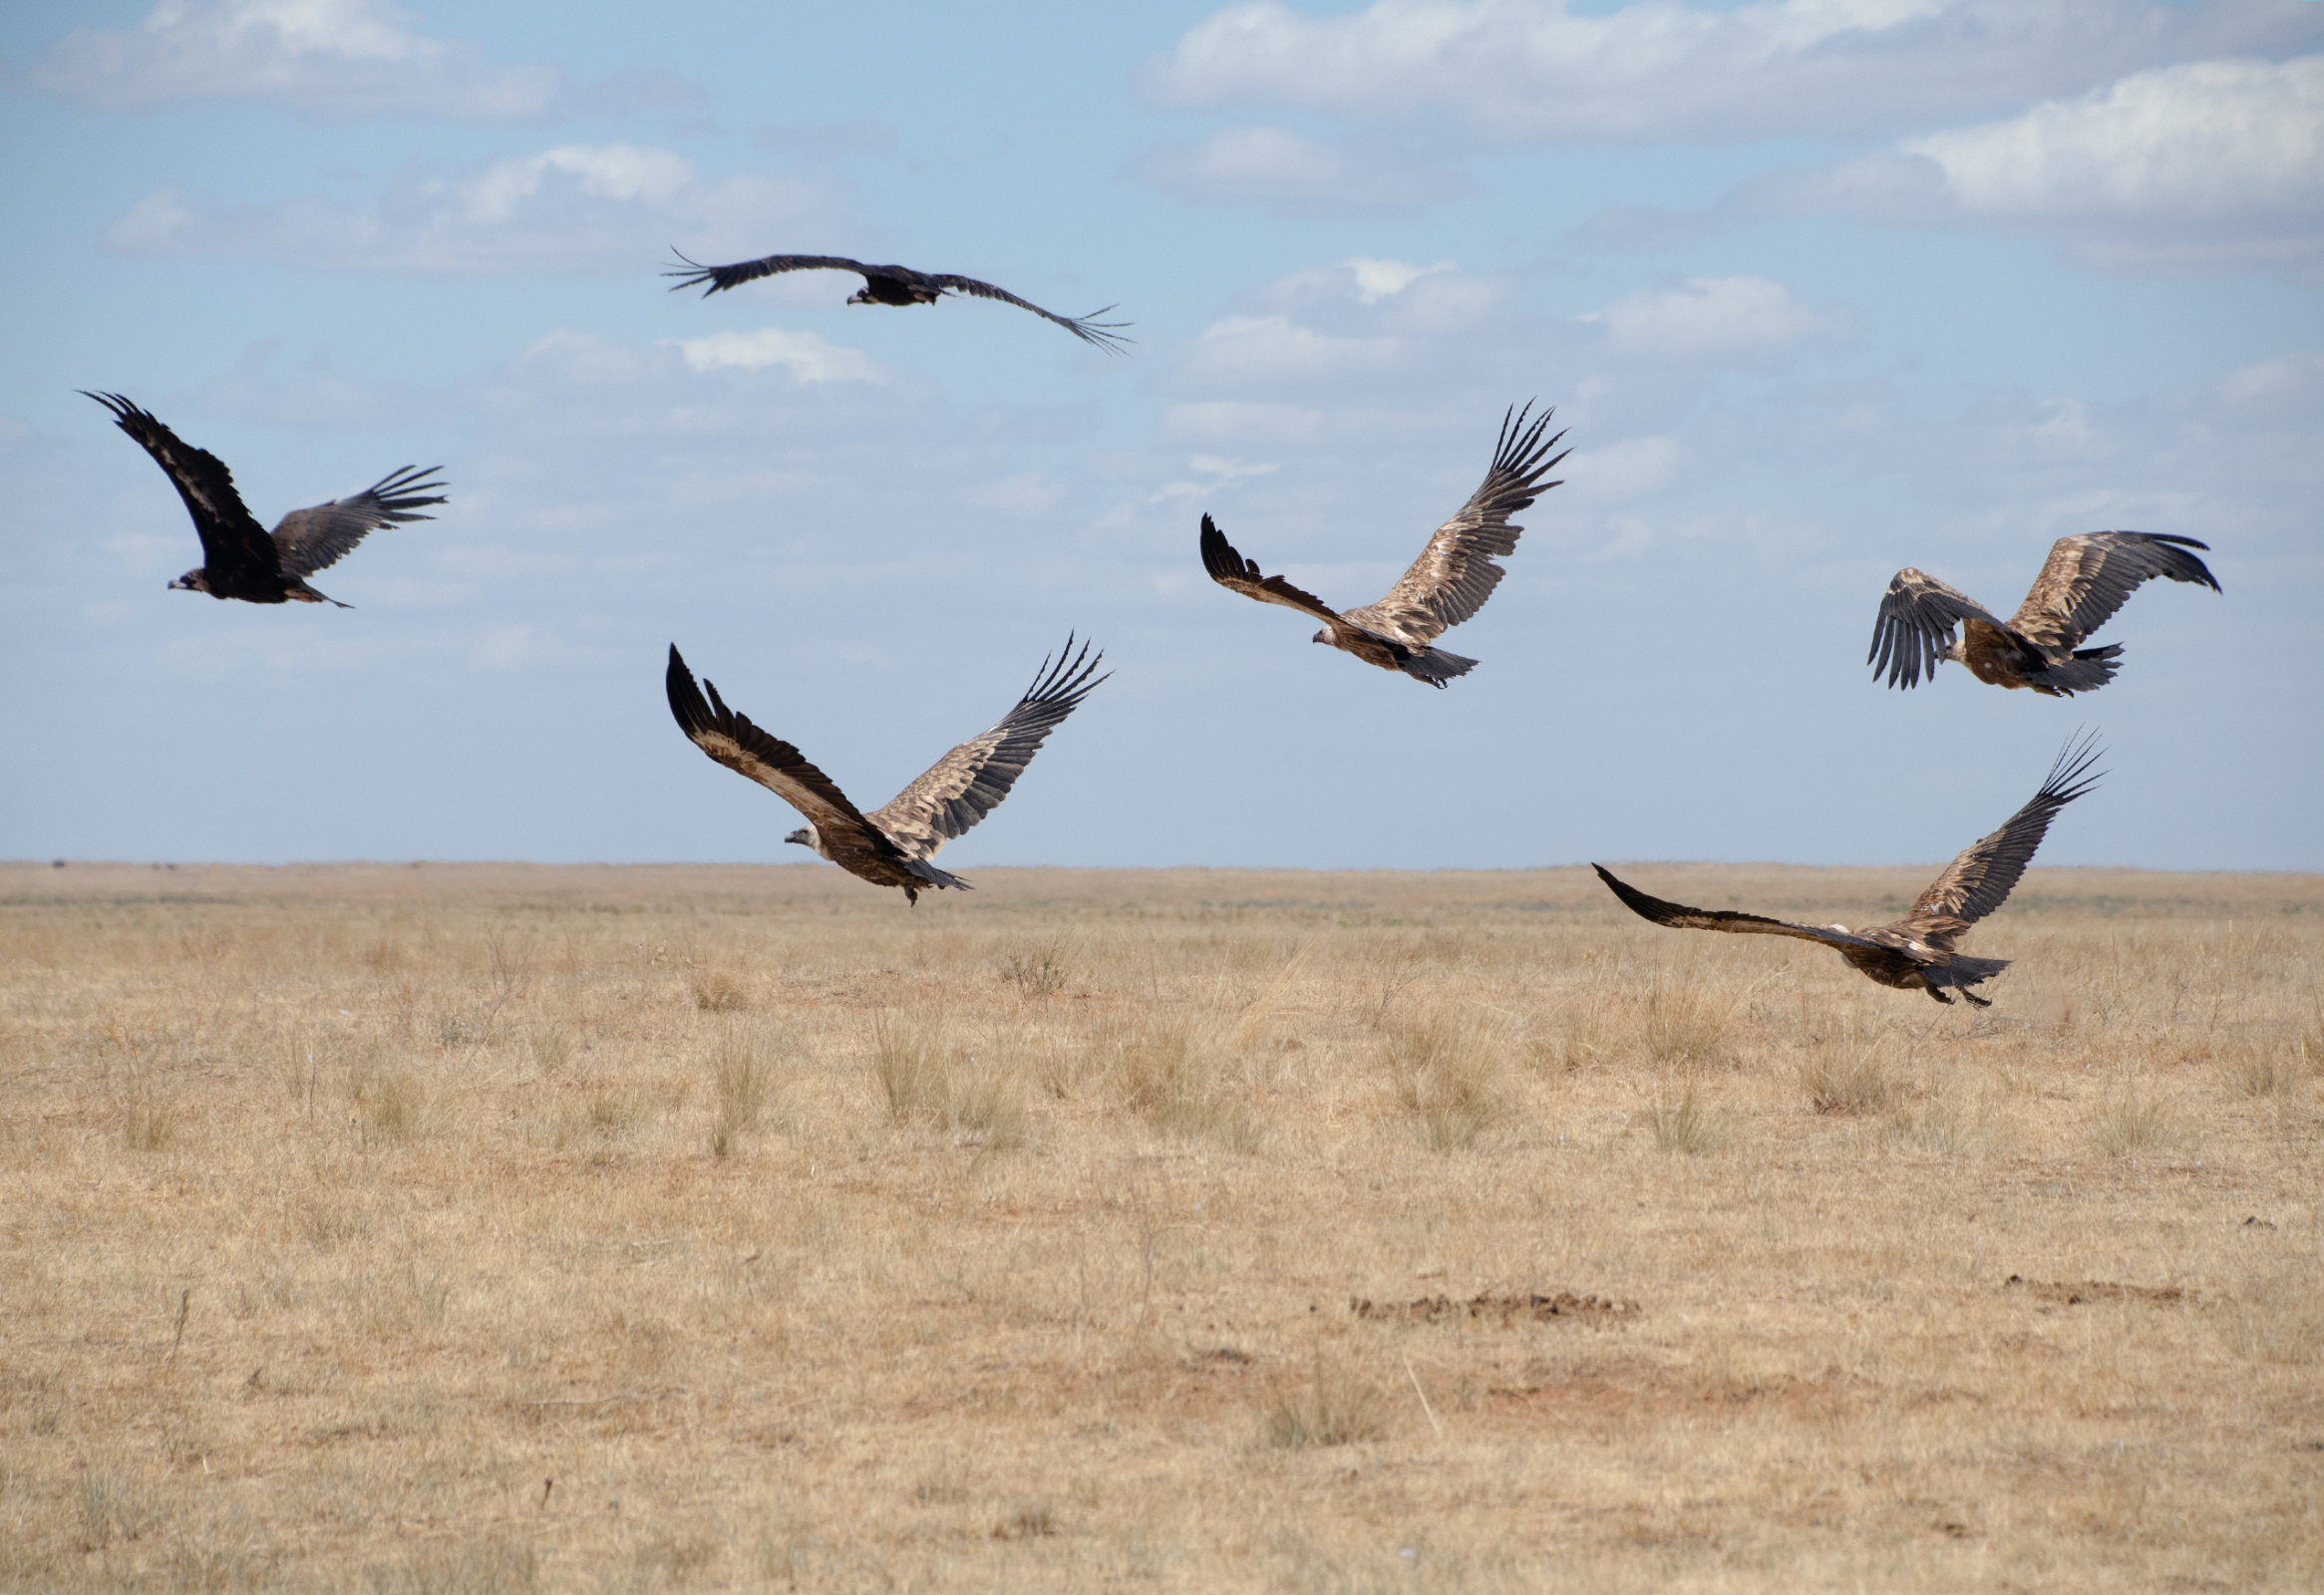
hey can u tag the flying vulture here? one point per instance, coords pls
(1446, 584)
(893, 285)
(239, 560)
(889, 846)
(2084, 581)
(1915, 953)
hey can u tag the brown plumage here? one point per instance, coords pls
(892, 285)
(891, 845)
(1446, 584)
(1918, 952)
(2084, 581)
(238, 560)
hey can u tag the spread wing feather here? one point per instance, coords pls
(689, 276)
(774, 763)
(1915, 627)
(2087, 578)
(1680, 917)
(968, 782)
(315, 539)
(1455, 573)
(234, 549)
(1088, 329)
(1982, 877)
(1231, 570)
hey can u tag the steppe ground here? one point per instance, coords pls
(450, 1228)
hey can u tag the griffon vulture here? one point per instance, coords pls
(1915, 953)
(891, 846)
(1446, 584)
(2084, 581)
(893, 285)
(239, 560)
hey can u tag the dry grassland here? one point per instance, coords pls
(508, 1228)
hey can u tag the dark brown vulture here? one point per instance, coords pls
(239, 560)
(893, 285)
(1915, 953)
(891, 845)
(2085, 580)
(1446, 584)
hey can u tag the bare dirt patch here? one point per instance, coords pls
(1554, 1307)
(2053, 1294)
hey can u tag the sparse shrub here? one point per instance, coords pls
(718, 992)
(110, 1509)
(1334, 1407)
(1033, 1520)
(398, 1108)
(1685, 1126)
(1165, 1076)
(1039, 972)
(2127, 1124)
(1444, 1074)
(1843, 1079)
(149, 1127)
(1939, 1126)
(2266, 1071)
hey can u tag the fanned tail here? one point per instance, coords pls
(1436, 667)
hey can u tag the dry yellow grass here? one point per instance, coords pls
(508, 1228)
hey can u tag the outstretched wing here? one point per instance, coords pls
(968, 782)
(2087, 578)
(689, 276)
(1680, 917)
(1977, 882)
(774, 763)
(1088, 329)
(1917, 617)
(1233, 571)
(234, 549)
(1455, 573)
(315, 539)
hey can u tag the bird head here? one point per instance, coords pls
(1957, 651)
(195, 581)
(803, 835)
(1321, 636)
(862, 296)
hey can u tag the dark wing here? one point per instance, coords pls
(234, 549)
(774, 763)
(691, 275)
(1680, 917)
(1455, 573)
(968, 782)
(1977, 882)
(1233, 571)
(315, 539)
(1917, 617)
(2087, 578)
(1088, 329)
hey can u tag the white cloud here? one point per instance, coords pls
(1277, 349)
(1714, 320)
(1295, 174)
(1377, 279)
(2206, 166)
(806, 357)
(571, 211)
(1509, 70)
(332, 60)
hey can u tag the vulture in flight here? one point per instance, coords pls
(889, 846)
(238, 560)
(893, 285)
(2084, 581)
(1918, 952)
(1446, 584)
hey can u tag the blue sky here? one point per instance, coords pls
(1821, 288)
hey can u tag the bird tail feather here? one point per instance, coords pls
(1436, 667)
(2087, 671)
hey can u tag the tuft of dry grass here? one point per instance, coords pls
(1847, 1080)
(1334, 1406)
(1685, 1125)
(742, 1076)
(1445, 1073)
(1035, 972)
(718, 991)
(2128, 1123)
(928, 1077)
